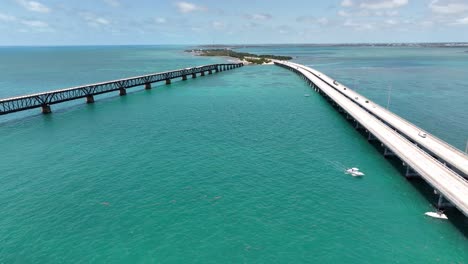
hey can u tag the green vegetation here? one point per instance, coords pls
(257, 60)
(249, 57)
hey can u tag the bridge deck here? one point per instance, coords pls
(20, 103)
(454, 157)
(451, 185)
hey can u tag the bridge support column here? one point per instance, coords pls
(443, 203)
(410, 173)
(89, 99)
(122, 92)
(371, 137)
(46, 109)
(210, 72)
(388, 153)
(357, 126)
(202, 73)
(168, 81)
(147, 86)
(194, 75)
(184, 77)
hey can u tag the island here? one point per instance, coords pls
(246, 58)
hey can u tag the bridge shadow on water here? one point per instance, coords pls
(455, 217)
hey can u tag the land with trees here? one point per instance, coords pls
(248, 58)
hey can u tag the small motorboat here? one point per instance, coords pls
(354, 172)
(306, 95)
(438, 215)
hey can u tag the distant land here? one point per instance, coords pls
(244, 57)
(422, 44)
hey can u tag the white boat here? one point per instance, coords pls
(438, 215)
(354, 172)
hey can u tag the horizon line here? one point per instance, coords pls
(238, 44)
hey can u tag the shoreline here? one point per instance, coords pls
(238, 57)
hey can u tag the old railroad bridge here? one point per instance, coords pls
(46, 99)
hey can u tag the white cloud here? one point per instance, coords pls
(384, 4)
(34, 6)
(160, 20)
(391, 22)
(94, 20)
(113, 3)
(7, 18)
(218, 25)
(259, 16)
(448, 8)
(358, 25)
(426, 23)
(462, 21)
(322, 21)
(102, 21)
(392, 13)
(35, 23)
(187, 7)
(343, 13)
(347, 3)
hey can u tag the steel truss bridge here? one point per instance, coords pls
(46, 99)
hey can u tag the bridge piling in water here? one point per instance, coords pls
(89, 99)
(388, 152)
(371, 137)
(45, 99)
(410, 173)
(442, 166)
(122, 92)
(46, 109)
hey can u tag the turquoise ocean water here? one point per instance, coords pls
(236, 167)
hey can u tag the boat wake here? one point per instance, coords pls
(354, 172)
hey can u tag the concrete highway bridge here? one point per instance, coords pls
(442, 166)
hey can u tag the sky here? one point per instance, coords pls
(161, 22)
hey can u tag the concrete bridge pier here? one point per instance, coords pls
(210, 72)
(194, 75)
(46, 109)
(442, 202)
(202, 73)
(184, 77)
(89, 99)
(122, 92)
(388, 153)
(148, 86)
(168, 81)
(371, 137)
(410, 173)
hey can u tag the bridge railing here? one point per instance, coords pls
(20, 103)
